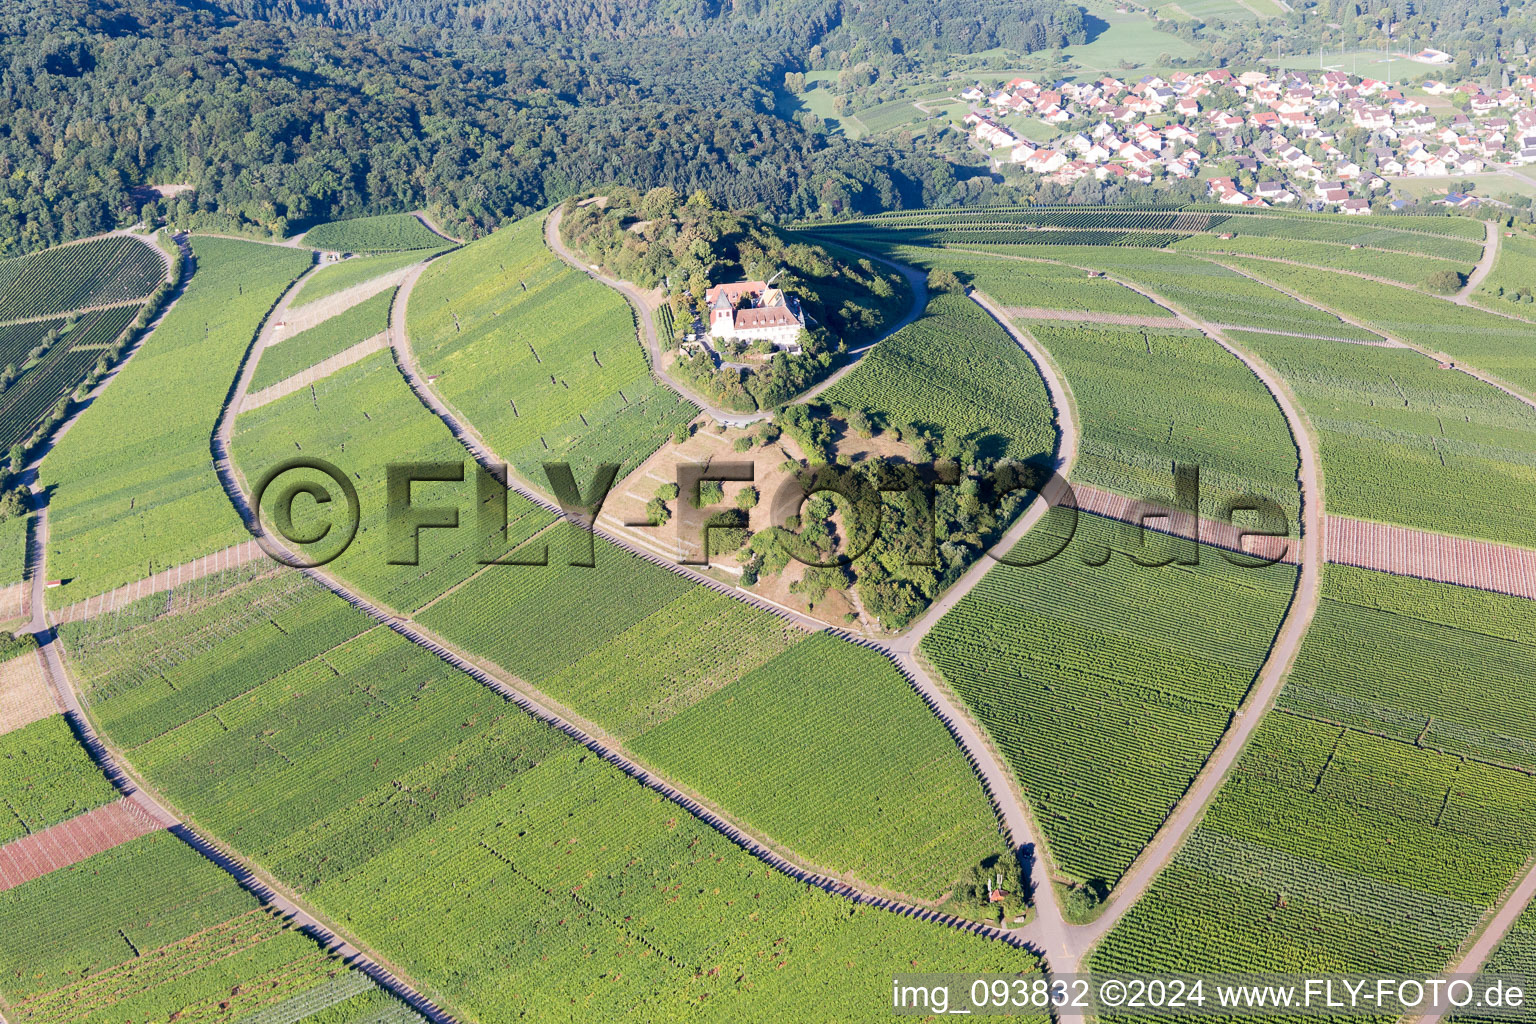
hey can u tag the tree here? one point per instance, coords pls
(660, 203)
(1444, 282)
(944, 281)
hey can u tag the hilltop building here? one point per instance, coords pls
(755, 311)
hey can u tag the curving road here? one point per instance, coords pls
(519, 693)
(1484, 265)
(1187, 813)
(116, 770)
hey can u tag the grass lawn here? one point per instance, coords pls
(1366, 63)
(1485, 184)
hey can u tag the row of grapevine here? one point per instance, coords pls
(1403, 441)
(1494, 344)
(300, 351)
(150, 931)
(133, 488)
(542, 360)
(26, 402)
(390, 232)
(105, 270)
(347, 771)
(46, 777)
(1106, 686)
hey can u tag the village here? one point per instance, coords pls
(1323, 140)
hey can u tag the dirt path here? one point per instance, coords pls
(431, 225)
(646, 327)
(1484, 265)
(1049, 930)
(529, 699)
(1084, 316)
(307, 376)
(301, 318)
(1494, 931)
(1187, 813)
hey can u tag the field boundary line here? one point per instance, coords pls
(319, 371)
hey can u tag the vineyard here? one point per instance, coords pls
(300, 351)
(826, 750)
(341, 764)
(1107, 686)
(134, 488)
(1191, 219)
(1334, 851)
(338, 277)
(1494, 344)
(1428, 663)
(26, 402)
(1014, 282)
(1511, 287)
(543, 361)
(389, 233)
(1147, 399)
(46, 777)
(364, 418)
(1403, 441)
(94, 273)
(151, 931)
(1515, 955)
(957, 371)
(1405, 268)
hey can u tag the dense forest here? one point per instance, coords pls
(283, 113)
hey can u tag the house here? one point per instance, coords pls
(755, 311)
(1356, 207)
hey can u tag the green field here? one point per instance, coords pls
(339, 277)
(506, 869)
(1106, 687)
(1149, 398)
(1014, 282)
(1404, 268)
(300, 351)
(1500, 346)
(1403, 441)
(362, 419)
(31, 399)
(150, 931)
(389, 233)
(46, 777)
(957, 372)
(845, 710)
(1431, 664)
(13, 549)
(541, 359)
(105, 270)
(1511, 286)
(133, 486)
(1331, 850)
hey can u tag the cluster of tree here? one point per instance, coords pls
(657, 239)
(284, 113)
(917, 550)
